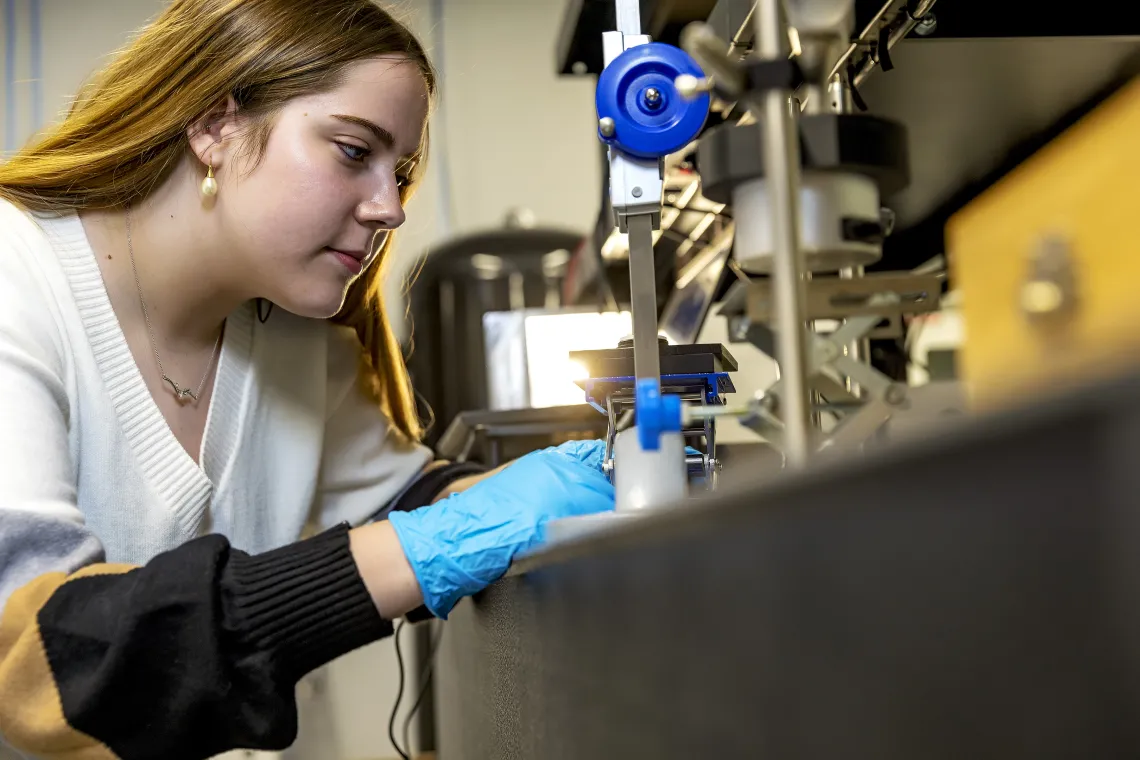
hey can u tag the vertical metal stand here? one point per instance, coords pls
(860, 348)
(781, 150)
(643, 298)
(628, 16)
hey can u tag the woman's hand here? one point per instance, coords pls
(467, 541)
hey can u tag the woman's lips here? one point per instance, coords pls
(353, 261)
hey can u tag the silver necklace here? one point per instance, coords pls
(183, 395)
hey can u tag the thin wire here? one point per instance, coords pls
(425, 676)
(399, 696)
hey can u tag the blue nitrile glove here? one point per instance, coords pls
(467, 541)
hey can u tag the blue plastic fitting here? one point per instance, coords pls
(656, 414)
(642, 128)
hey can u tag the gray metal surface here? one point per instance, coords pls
(628, 14)
(975, 596)
(643, 298)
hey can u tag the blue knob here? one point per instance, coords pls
(656, 414)
(637, 92)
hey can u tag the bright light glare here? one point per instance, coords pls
(576, 370)
(549, 340)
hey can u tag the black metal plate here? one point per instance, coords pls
(691, 359)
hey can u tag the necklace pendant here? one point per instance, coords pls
(182, 395)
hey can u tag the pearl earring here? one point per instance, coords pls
(210, 185)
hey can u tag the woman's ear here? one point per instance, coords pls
(211, 136)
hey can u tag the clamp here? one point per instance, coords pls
(656, 414)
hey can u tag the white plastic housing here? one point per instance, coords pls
(647, 479)
(826, 199)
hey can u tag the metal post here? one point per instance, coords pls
(643, 298)
(839, 95)
(628, 14)
(860, 348)
(815, 399)
(781, 148)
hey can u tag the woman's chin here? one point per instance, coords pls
(313, 304)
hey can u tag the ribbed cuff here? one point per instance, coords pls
(304, 604)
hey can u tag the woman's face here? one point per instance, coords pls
(310, 216)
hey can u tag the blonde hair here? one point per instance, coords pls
(127, 130)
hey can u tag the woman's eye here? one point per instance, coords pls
(353, 152)
(403, 180)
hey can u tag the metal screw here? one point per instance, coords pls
(1049, 291)
(887, 219)
(739, 328)
(637, 192)
(829, 351)
(690, 87)
(1041, 297)
(895, 395)
(926, 25)
(579, 68)
(652, 96)
(606, 126)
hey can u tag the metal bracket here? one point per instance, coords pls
(835, 298)
(700, 391)
(881, 395)
(636, 185)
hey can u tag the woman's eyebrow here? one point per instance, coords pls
(383, 135)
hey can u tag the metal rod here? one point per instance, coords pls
(628, 16)
(738, 39)
(701, 42)
(643, 298)
(839, 95)
(860, 348)
(781, 153)
(815, 400)
(896, 36)
(864, 37)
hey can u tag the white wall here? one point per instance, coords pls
(511, 133)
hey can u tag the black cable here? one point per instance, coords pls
(399, 695)
(425, 677)
(883, 50)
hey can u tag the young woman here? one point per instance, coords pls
(167, 435)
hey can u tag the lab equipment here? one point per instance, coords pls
(1000, 514)
(806, 194)
(467, 541)
(642, 118)
(694, 374)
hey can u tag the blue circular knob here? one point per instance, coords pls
(656, 414)
(636, 92)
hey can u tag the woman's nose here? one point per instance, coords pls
(383, 212)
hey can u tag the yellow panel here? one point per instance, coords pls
(1081, 191)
